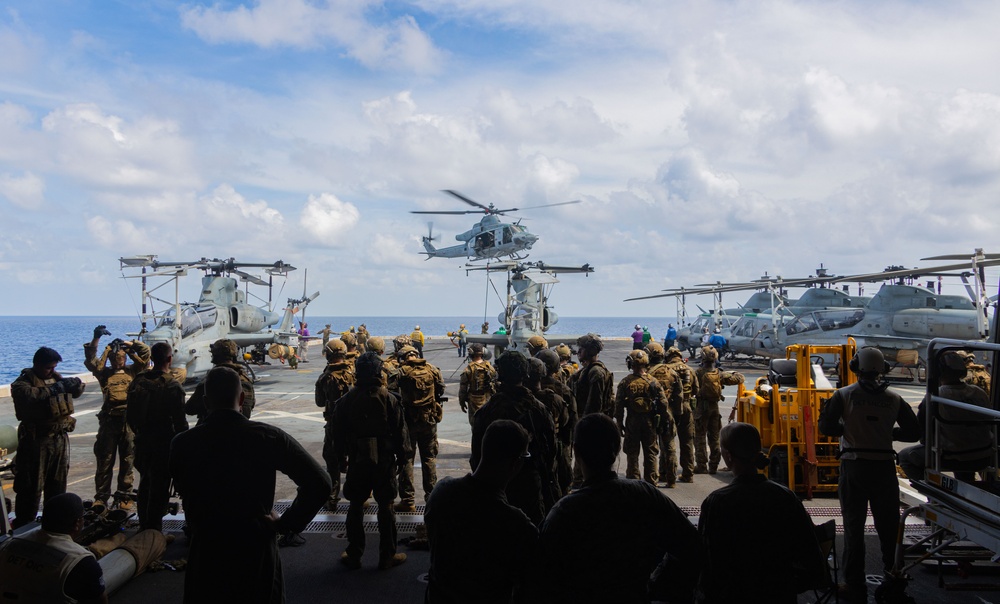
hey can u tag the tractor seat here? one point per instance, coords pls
(781, 372)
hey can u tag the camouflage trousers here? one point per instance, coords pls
(475, 405)
(40, 464)
(683, 429)
(707, 426)
(332, 460)
(640, 432)
(379, 482)
(423, 436)
(114, 439)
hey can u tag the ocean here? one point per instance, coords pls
(23, 335)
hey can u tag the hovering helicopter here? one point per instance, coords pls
(222, 309)
(526, 312)
(487, 239)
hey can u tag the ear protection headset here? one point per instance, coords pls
(869, 360)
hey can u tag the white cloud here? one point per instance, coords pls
(399, 44)
(117, 235)
(26, 191)
(328, 220)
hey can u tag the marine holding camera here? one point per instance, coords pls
(114, 437)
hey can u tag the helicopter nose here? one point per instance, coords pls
(528, 239)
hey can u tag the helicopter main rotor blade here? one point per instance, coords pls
(547, 205)
(445, 212)
(250, 278)
(461, 197)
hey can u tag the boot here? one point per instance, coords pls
(390, 561)
(350, 561)
(404, 506)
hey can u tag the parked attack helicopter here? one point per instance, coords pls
(222, 310)
(526, 310)
(487, 239)
(900, 319)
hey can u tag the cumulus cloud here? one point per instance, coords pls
(398, 44)
(26, 190)
(101, 149)
(117, 235)
(328, 220)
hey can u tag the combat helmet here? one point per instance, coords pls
(590, 342)
(405, 351)
(709, 355)
(368, 368)
(674, 353)
(335, 348)
(349, 339)
(637, 357)
(656, 353)
(512, 367)
(401, 340)
(476, 349)
(536, 343)
(550, 358)
(223, 351)
(375, 344)
(954, 362)
(565, 352)
(536, 369)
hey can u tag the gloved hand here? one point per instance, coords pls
(465, 407)
(57, 388)
(71, 384)
(101, 330)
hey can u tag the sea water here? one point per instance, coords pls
(21, 336)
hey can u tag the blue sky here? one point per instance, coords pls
(707, 140)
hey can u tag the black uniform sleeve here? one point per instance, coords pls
(830, 418)
(313, 483)
(908, 430)
(85, 583)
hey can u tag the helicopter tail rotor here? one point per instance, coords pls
(430, 233)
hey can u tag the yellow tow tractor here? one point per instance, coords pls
(785, 407)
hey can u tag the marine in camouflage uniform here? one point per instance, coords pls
(592, 385)
(155, 414)
(534, 489)
(362, 338)
(421, 388)
(477, 383)
(114, 437)
(371, 432)
(567, 366)
(642, 397)
(335, 381)
(671, 384)
(684, 417)
(391, 365)
(564, 431)
(43, 403)
(707, 419)
(558, 408)
(224, 353)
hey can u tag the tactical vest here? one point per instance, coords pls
(335, 382)
(35, 564)
(869, 418)
(639, 393)
(53, 409)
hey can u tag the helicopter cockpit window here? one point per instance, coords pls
(507, 236)
(839, 319)
(193, 319)
(802, 325)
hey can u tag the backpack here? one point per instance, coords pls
(481, 379)
(640, 399)
(419, 382)
(710, 387)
